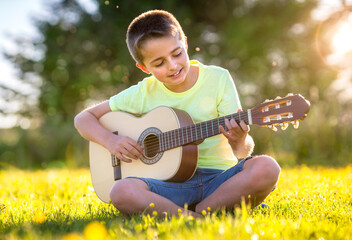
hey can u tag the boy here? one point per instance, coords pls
(158, 45)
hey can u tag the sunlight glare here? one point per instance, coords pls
(342, 41)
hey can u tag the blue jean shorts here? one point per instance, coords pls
(203, 183)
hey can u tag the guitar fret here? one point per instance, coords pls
(160, 142)
(183, 136)
(195, 130)
(188, 134)
(172, 138)
(180, 132)
(191, 135)
(178, 137)
(218, 124)
(206, 129)
(201, 126)
(166, 142)
(201, 132)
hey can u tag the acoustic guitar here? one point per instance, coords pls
(168, 136)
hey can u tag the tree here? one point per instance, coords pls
(82, 59)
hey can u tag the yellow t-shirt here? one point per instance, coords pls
(213, 95)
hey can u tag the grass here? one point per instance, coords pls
(309, 203)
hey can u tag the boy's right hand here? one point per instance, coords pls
(124, 148)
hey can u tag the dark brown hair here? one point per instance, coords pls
(149, 25)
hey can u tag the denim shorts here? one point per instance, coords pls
(203, 183)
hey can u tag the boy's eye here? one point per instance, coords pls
(159, 64)
(178, 54)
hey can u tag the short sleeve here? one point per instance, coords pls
(126, 100)
(229, 101)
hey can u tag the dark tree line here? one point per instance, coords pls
(82, 58)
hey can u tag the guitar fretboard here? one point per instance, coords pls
(197, 132)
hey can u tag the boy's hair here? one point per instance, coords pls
(149, 25)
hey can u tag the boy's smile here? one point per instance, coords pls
(167, 59)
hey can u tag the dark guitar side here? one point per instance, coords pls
(189, 157)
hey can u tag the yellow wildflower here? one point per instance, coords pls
(72, 236)
(95, 231)
(39, 218)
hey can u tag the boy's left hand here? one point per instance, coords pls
(236, 133)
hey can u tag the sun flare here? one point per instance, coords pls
(342, 40)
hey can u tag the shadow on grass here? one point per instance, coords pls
(61, 225)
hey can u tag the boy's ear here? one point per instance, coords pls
(143, 68)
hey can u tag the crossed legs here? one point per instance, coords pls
(257, 179)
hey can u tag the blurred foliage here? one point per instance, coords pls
(269, 47)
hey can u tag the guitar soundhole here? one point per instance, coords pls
(150, 141)
(151, 146)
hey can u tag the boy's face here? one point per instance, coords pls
(167, 59)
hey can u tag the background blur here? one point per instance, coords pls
(76, 56)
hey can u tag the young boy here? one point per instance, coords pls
(158, 45)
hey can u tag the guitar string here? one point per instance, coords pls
(155, 144)
(203, 126)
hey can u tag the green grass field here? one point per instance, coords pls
(309, 203)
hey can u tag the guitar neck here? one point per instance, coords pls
(199, 131)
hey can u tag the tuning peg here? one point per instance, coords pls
(272, 127)
(284, 125)
(278, 97)
(295, 124)
(267, 100)
(289, 94)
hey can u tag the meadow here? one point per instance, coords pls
(309, 203)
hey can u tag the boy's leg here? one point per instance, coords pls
(257, 179)
(132, 195)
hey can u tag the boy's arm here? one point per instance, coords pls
(237, 135)
(87, 124)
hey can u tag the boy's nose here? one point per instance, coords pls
(172, 65)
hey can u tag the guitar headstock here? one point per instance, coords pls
(281, 111)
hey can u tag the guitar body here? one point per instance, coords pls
(177, 164)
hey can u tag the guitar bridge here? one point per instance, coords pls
(115, 161)
(116, 164)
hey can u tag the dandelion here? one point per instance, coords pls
(204, 213)
(95, 231)
(155, 213)
(209, 209)
(151, 205)
(39, 218)
(72, 236)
